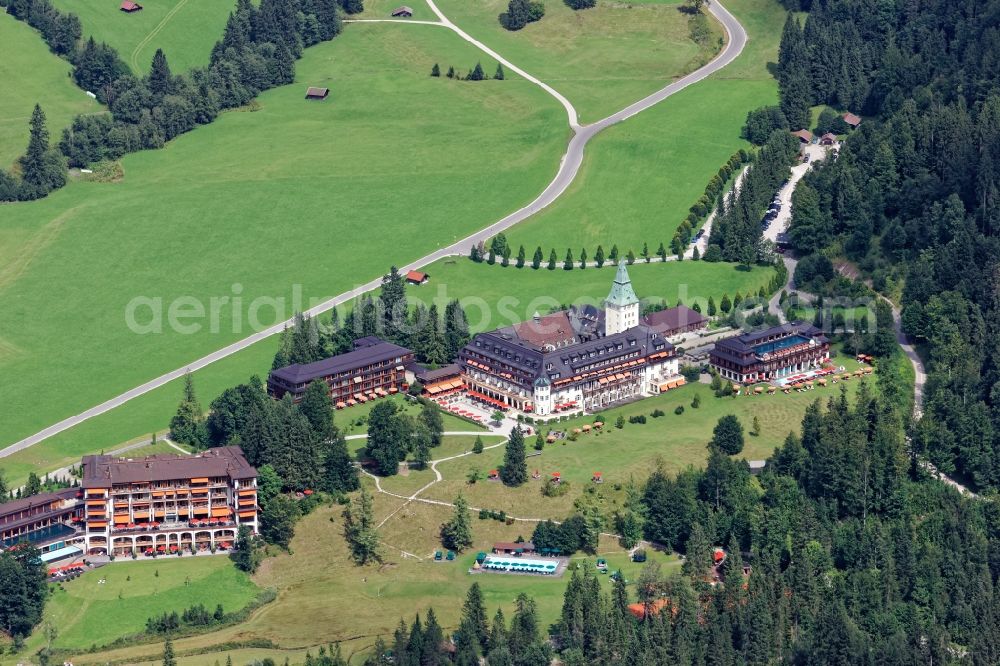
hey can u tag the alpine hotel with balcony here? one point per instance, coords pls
(579, 359)
(374, 369)
(771, 354)
(163, 504)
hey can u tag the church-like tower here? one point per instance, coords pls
(621, 305)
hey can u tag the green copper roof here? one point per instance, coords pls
(621, 291)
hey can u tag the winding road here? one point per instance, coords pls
(569, 166)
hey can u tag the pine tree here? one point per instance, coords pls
(432, 652)
(568, 261)
(456, 329)
(474, 611)
(392, 302)
(456, 534)
(552, 260)
(451, 73)
(630, 257)
(711, 307)
(613, 255)
(599, 256)
(168, 653)
(477, 73)
(186, 427)
(360, 530)
(536, 260)
(339, 471)
(245, 555)
(725, 305)
(477, 446)
(160, 78)
(32, 486)
(499, 75)
(42, 169)
(515, 470)
(318, 410)
(583, 258)
(521, 255)
(435, 70)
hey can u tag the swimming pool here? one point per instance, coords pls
(495, 563)
(778, 345)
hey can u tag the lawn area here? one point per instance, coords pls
(87, 612)
(496, 296)
(408, 482)
(354, 420)
(318, 582)
(186, 30)
(31, 74)
(159, 448)
(382, 9)
(676, 441)
(639, 177)
(601, 59)
(215, 214)
(491, 302)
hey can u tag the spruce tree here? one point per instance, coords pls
(392, 302)
(186, 427)
(568, 261)
(613, 255)
(515, 469)
(536, 260)
(42, 169)
(474, 611)
(451, 73)
(160, 79)
(499, 75)
(435, 70)
(599, 256)
(360, 530)
(520, 257)
(339, 471)
(456, 534)
(711, 307)
(168, 653)
(552, 260)
(477, 73)
(477, 446)
(583, 258)
(316, 407)
(432, 645)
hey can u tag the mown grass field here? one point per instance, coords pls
(186, 30)
(602, 59)
(506, 294)
(675, 441)
(87, 612)
(32, 75)
(296, 195)
(382, 9)
(640, 177)
(324, 597)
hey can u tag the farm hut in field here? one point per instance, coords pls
(128, 6)
(317, 93)
(402, 12)
(417, 278)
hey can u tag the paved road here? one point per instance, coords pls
(568, 168)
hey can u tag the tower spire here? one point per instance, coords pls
(622, 293)
(621, 306)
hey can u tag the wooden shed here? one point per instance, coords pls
(128, 6)
(402, 12)
(317, 93)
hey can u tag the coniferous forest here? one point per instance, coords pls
(914, 196)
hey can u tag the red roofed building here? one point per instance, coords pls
(418, 278)
(129, 6)
(804, 135)
(852, 119)
(639, 610)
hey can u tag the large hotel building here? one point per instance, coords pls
(165, 503)
(578, 359)
(771, 354)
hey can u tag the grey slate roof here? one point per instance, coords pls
(223, 461)
(374, 351)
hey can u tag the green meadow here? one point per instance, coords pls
(32, 75)
(602, 59)
(639, 177)
(510, 294)
(88, 612)
(325, 598)
(295, 195)
(186, 30)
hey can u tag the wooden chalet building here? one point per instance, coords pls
(852, 120)
(771, 354)
(374, 368)
(317, 93)
(402, 12)
(163, 503)
(128, 6)
(804, 136)
(417, 277)
(569, 361)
